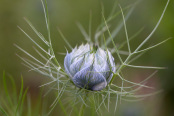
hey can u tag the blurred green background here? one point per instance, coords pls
(64, 14)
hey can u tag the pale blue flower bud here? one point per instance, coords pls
(89, 68)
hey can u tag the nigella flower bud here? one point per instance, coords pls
(89, 68)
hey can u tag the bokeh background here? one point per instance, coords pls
(64, 14)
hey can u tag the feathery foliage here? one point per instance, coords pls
(104, 36)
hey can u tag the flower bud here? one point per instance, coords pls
(89, 68)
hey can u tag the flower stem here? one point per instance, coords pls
(81, 113)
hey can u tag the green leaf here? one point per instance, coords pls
(6, 90)
(20, 96)
(3, 111)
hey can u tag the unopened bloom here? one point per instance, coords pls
(89, 67)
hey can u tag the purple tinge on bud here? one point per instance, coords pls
(89, 68)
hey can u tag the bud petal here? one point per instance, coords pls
(88, 68)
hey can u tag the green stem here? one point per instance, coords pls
(63, 108)
(121, 66)
(81, 113)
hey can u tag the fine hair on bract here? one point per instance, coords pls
(84, 97)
